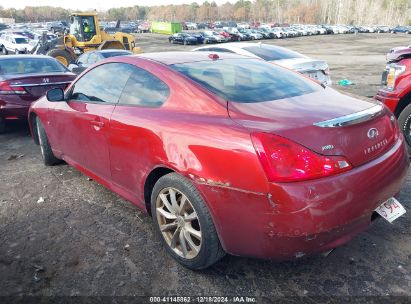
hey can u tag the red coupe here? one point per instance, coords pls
(24, 79)
(228, 154)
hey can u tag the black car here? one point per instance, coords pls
(57, 26)
(182, 38)
(87, 59)
(198, 36)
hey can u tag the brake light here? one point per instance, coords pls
(286, 161)
(7, 89)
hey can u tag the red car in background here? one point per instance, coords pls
(229, 154)
(396, 94)
(24, 79)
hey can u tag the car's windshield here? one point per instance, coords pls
(269, 53)
(21, 40)
(246, 80)
(30, 66)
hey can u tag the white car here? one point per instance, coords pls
(16, 44)
(313, 68)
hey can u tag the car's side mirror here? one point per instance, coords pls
(55, 94)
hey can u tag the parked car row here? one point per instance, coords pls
(22, 41)
(264, 31)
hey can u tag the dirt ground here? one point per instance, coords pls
(73, 240)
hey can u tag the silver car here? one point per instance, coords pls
(313, 68)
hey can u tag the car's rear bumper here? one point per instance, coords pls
(10, 111)
(296, 219)
(389, 98)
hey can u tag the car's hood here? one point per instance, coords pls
(398, 53)
(302, 64)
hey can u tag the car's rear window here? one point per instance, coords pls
(269, 53)
(30, 66)
(114, 54)
(246, 80)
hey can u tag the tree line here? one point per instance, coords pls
(371, 12)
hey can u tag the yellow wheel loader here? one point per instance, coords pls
(85, 35)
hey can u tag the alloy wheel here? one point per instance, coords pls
(178, 223)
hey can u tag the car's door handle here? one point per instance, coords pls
(96, 123)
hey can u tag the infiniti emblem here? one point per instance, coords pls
(372, 133)
(46, 80)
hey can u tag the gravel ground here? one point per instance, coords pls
(63, 234)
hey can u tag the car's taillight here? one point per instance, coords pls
(286, 161)
(7, 89)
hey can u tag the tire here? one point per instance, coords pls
(2, 125)
(210, 250)
(16, 52)
(4, 50)
(404, 121)
(61, 55)
(47, 154)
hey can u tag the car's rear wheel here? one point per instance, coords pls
(183, 221)
(405, 124)
(46, 153)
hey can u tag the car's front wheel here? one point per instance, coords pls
(46, 153)
(405, 124)
(184, 223)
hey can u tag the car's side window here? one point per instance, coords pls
(102, 84)
(144, 89)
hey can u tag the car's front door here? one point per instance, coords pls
(83, 122)
(134, 144)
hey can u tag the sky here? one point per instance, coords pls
(95, 4)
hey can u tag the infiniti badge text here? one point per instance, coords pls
(376, 147)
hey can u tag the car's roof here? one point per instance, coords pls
(169, 58)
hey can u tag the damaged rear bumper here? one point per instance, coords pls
(304, 218)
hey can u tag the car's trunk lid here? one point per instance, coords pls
(326, 122)
(37, 85)
(303, 64)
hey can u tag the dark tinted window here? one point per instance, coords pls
(21, 40)
(269, 52)
(144, 89)
(102, 84)
(113, 54)
(215, 49)
(247, 80)
(23, 65)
